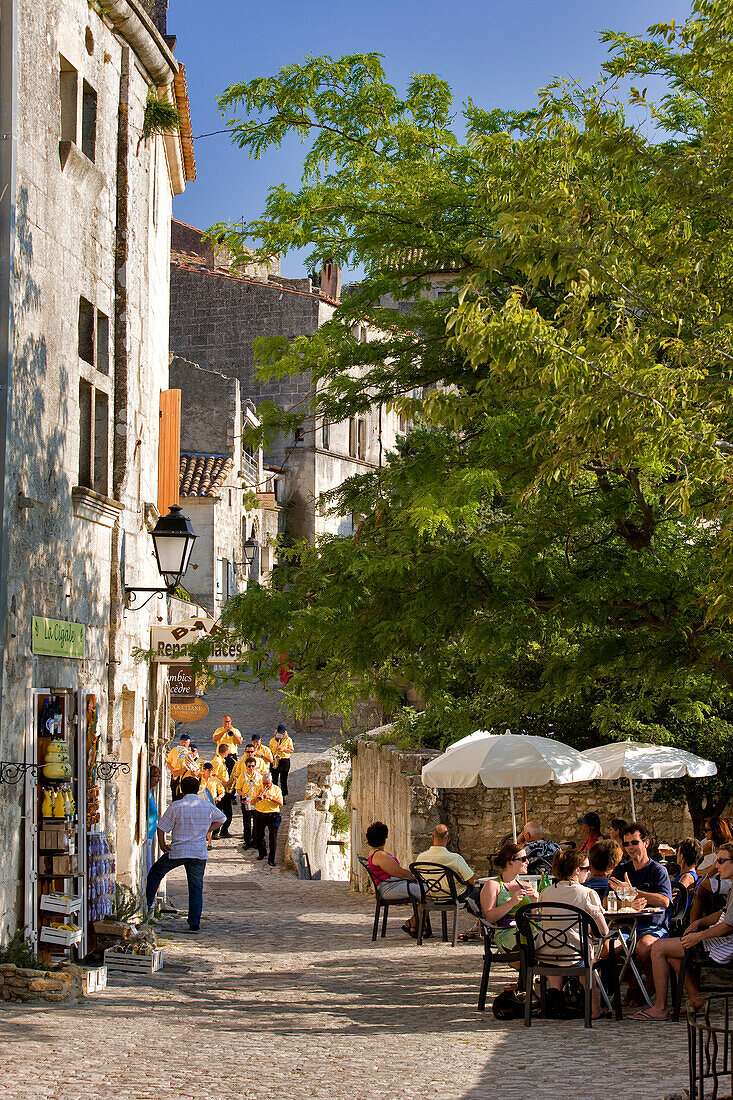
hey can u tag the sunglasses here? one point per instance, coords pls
(725, 859)
(631, 843)
(586, 868)
(520, 859)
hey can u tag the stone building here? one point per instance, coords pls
(216, 314)
(84, 293)
(218, 477)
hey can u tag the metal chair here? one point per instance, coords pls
(381, 904)
(549, 929)
(491, 955)
(443, 890)
(698, 960)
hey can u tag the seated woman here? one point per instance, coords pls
(604, 857)
(394, 882)
(501, 897)
(616, 831)
(713, 932)
(689, 854)
(571, 868)
(717, 831)
(713, 884)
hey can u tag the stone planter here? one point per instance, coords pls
(58, 986)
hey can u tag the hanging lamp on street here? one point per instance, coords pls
(173, 539)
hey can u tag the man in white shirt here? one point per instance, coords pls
(439, 854)
(190, 821)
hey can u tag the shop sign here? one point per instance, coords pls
(170, 644)
(181, 683)
(54, 638)
(189, 712)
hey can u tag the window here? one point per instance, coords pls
(85, 433)
(89, 121)
(93, 438)
(86, 331)
(357, 437)
(101, 442)
(325, 435)
(93, 336)
(299, 435)
(68, 85)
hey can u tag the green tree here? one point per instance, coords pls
(555, 530)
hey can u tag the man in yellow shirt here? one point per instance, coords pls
(177, 763)
(212, 790)
(249, 784)
(227, 734)
(249, 754)
(267, 804)
(281, 747)
(261, 750)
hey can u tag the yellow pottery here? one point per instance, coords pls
(47, 804)
(59, 809)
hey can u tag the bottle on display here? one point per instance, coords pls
(544, 881)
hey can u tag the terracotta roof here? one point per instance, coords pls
(203, 475)
(180, 90)
(184, 261)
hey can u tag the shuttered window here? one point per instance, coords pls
(169, 449)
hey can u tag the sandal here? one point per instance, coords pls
(410, 931)
(644, 1014)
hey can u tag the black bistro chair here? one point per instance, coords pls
(547, 929)
(491, 955)
(699, 962)
(442, 890)
(381, 904)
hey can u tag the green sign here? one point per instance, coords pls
(54, 638)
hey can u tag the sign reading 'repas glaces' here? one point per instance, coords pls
(170, 644)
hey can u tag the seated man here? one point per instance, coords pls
(603, 858)
(439, 853)
(540, 852)
(653, 889)
(713, 932)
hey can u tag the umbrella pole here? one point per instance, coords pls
(514, 820)
(524, 801)
(633, 807)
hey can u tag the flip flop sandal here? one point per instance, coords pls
(410, 931)
(644, 1015)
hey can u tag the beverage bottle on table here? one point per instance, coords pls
(544, 881)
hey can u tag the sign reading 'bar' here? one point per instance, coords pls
(170, 644)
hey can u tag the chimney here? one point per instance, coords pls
(331, 279)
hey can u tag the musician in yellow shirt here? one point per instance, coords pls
(261, 750)
(177, 763)
(267, 804)
(249, 784)
(229, 735)
(220, 771)
(281, 747)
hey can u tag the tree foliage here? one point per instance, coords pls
(551, 543)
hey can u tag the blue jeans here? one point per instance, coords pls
(194, 873)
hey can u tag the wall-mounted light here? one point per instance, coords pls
(173, 539)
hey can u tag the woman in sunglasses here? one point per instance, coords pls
(715, 933)
(501, 897)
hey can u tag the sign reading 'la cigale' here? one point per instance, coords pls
(170, 644)
(56, 638)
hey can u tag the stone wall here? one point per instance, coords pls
(53, 986)
(310, 824)
(386, 786)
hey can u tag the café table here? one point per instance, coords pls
(630, 920)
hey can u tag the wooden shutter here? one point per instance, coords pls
(169, 449)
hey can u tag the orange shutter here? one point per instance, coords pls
(169, 449)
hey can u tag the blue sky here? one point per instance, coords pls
(498, 53)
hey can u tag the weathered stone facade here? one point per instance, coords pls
(90, 360)
(386, 786)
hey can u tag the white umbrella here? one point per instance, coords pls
(508, 760)
(647, 761)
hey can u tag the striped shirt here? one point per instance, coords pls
(188, 821)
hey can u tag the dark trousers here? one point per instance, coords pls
(225, 805)
(195, 875)
(176, 791)
(280, 775)
(271, 823)
(248, 825)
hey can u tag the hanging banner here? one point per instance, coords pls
(182, 684)
(189, 712)
(170, 643)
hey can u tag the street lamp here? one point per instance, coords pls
(250, 549)
(173, 539)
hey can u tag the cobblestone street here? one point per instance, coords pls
(283, 994)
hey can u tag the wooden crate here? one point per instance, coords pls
(66, 905)
(95, 979)
(122, 964)
(58, 936)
